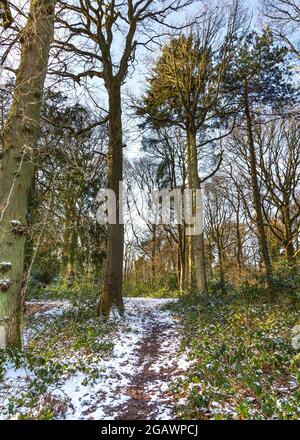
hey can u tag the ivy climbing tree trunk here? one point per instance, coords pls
(20, 136)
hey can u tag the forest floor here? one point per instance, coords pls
(79, 368)
(203, 356)
(245, 354)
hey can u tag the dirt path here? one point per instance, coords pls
(148, 391)
(131, 382)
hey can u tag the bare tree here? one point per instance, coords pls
(164, 167)
(220, 226)
(279, 167)
(104, 36)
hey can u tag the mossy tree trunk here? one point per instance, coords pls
(20, 136)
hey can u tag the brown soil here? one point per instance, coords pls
(141, 405)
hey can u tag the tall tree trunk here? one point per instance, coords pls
(20, 136)
(69, 247)
(288, 237)
(153, 255)
(239, 254)
(201, 264)
(181, 257)
(263, 243)
(221, 264)
(64, 269)
(290, 255)
(113, 278)
(196, 260)
(210, 259)
(73, 255)
(29, 243)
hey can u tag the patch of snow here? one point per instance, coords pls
(15, 223)
(102, 398)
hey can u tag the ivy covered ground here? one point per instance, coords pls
(245, 358)
(215, 356)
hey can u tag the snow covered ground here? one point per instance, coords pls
(132, 381)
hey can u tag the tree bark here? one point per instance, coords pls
(20, 136)
(239, 243)
(221, 265)
(290, 255)
(210, 259)
(73, 256)
(64, 269)
(113, 278)
(181, 249)
(153, 255)
(262, 238)
(288, 236)
(196, 261)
